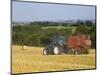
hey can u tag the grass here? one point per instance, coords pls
(32, 60)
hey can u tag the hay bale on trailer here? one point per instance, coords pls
(79, 44)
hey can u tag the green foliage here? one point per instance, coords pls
(83, 29)
(92, 32)
(41, 33)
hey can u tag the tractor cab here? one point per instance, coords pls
(59, 40)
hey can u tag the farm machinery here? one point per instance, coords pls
(75, 44)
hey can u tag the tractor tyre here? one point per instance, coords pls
(56, 50)
(45, 52)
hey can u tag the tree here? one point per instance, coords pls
(88, 23)
(92, 33)
(83, 29)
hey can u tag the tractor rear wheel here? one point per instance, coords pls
(56, 50)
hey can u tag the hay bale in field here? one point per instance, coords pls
(24, 47)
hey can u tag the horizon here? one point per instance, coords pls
(92, 20)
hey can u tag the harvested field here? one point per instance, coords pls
(32, 60)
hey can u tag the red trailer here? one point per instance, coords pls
(79, 44)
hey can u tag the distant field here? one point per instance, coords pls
(32, 60)
(59, 27)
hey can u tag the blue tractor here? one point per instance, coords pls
(57, 46)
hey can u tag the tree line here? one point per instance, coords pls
(33, 35)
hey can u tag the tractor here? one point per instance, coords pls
(75, 44)
(57, 46)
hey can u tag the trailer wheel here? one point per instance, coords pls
(45, 52)
(76, 53)
(86, 51)
(56, 50)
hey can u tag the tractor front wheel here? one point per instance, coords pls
(45, 52)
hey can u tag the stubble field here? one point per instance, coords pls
(31, 60)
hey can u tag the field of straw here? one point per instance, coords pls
(31, 60)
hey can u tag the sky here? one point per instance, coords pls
(30, 11)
